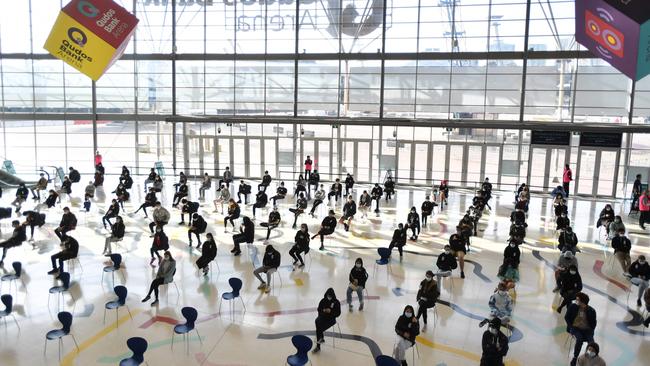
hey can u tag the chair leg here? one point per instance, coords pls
(197, 333)
(173, 333)
(129, 310)
(16, 321)
(75, 341)
(104, 315)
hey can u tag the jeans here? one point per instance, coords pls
(359, 292)
(264, 269)
(399, 353)
(643, 285)
(581, 337)
(440, 274)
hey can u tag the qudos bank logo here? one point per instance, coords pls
(352, 21)
(77, 36)
(601, 29)
(87, 9)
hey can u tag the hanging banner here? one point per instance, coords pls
(618, 31)
(90, 35)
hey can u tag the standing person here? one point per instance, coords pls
(636, 193)
(41, 185)
(160, 217)
(443, 188)
(301, 206)
(301, 245)
(427, 209)
(376, 194)
(117, 233)
(358, 277)
(398, 240)
(413, 223)
(329, 308)
(70, 251)
(427, 296)
(164, 275)
(581, 323)
(308, 165)
(227, 179)
(567, 177)
(644, 208)
(113, 211)
(639, 275)
(349, 210)
(266, 181)
(160, 242)
(407, 328)
(622, 247)
(206, 184)
(261, 199)
(17, 238)
(274, 221)
(68, 223)
(319, 196)
(233, 213)
(149, 201)
(270, 264)
(365, 202)
(244, 189)
(570, 284)
(208, 254)
(335, 191)
(246, 235)
(446, 263)
(591, 357)
(326, 228)
(349, 184)
(280, 194)
(494, 344)
(98, 158)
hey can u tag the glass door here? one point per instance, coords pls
(607, 173)
(438, 163)
(322, 162)
(537, 168)
(404, 162)
(194, 146)
(586, 172)
(348, 161)
(491, 163)
(474, 168)
(255, 168)
(238, 158)
(269, 156)
(597, 172)
(363, 153)
(546, 166)
(455, 164)
(223, 154)
(208, 158)
(420, 164)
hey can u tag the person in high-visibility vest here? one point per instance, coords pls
(567, 177)
(644, 208)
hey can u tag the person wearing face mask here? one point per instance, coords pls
(358, 277)
(164, 276)
(407, 328)
(270, 264)
(446, 263)
(349, 210)
(261, 199)
(280, 194)
(568, 241)
(301, 206)
(335, 191)
(274, 221)
(562, 222)
(500, 304)
(591, 357)
(376, 194)
(349, 184)
(427, 209)
(319, 196)
(398, 240)
(458, 249)
(639, 274)
(301, 245)
(494, 344)
(581, 323)
(160, 242)
(566, 260)
(606, 216)
(508, 273)
(246, 235)
(427, 295)
(513, 253)
(327, 227)
(117, 233)
(365, 202)
(329, 308)
(615, 226)
(413, 223)
(208, 254)
(622, 247)
(570, 284)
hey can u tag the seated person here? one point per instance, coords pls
(389, 188)
(566, 260)
(149, 201)
(280, 194)
(182, 179)
(413, 223)
(68, 223)
(33, 219)
(74, 175)
(349, 210)
(639, 276)
(319, 197)
(427, 209)
(270, 264)
(606, 216)
(41, 185)
(160, 217)
(197, 227)
(562, 222)
(398, 240)
(568, 241)
(260, 201)
(494, 344)
(500, 304)
(158, 184)
(117, 234)
(335, 190)
(150, 178)
(233, 214)
(327, 227)
(314, 179)
(246, 235)
(349, 184)
(301, 206)
(164, 276)
(222, 199)
(446, 263)
(188, 208)
(208, 254)
(301, 245)
(274, 221)
(329, 308)
(226, 179)
(622, 247)
(427, 296)
(244, 189)
(66, 187)
(512, 252)
(570, 283)
(376, 194)
(508, 273)
(69, 251)
(206, 184)
(459, 249)
(301, 186)
(615, 226)
(98, 179)
(122, 195)
(113, 211)
(581, 322)
(266, 181)
(160, 242)
(357, 277)
(21, 195)
(407, 329)
(180, 194)
(17, 238)
(365, 202)
(90, 190)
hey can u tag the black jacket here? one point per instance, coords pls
(150, 198)
(568, 282)
(495, 347)
(349, 182)
(190, 207)
(71, 246)
(572, 313)
(562, 223)
(329, 223)
(559, 209)
(113, 210)
(234, 212)
(638, 270)
(271, 259)
(446, 262)
(359, 274)
(334, 305)
(427, 207)
(244, 188)
(66, 186)
(281, 191)
(457, 244)
(22, 192)
(261, 199)
(399, 237)
(117, 230)
(365, 201)
(301, 203)
(405, 324)
(182, 189)
(209, 249)
(50, 201)
(68, 221)
(428, 290)
(160, 241)
(513, 253)
(127, 181)
(413, 219)
(200, 224)
(518, 217)
(377, 192)
(349, 209)
(621, 244)
(274, 218)
(314, 178)
(302, 240)
(336, 187)
(389, 186)
(266, 179)
(567, 241)
(249, 232)
(74, 176)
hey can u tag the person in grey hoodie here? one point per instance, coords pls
(160, 217)
(164, 276)
(319, 196)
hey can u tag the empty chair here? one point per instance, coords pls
(138, 346)
(17, 275)
(8, 302)
(190, 314)
(66, 322)
(121, 293)
(236, 285)
(303, 345)
(383, 360)
(64, 277)
(117, 266)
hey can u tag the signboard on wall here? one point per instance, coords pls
(91, 35)
(550, 138)
(592, 139)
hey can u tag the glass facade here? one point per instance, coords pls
(430, 89)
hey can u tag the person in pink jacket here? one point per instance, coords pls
(567, 177)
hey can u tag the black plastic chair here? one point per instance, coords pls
(121, 293)
(17, 275)
(116, 267)
(64, 277)
(138, 346)
(236, 285)
(66, 322)
(190, 314)
(8, 302)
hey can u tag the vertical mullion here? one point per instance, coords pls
(525, 66)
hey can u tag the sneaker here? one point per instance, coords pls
(53, 271)
(482, 323)
(151, 236)
(146, 299)
(646, 322)
(350, 308)
(462, 274)
(151, 261)
(322, 247)
(205, 271)
(556, 289)
(295, 262)
(301, 265)
(237, 253)
(182, 223)
(317, 349)
(267, 289)
(361, 307)
(573, 361)
(320, 341)
(155, 302)
(638, 302)
(261, 286)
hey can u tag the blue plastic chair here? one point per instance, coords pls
(17, 275)
(65, 318)
(190, 314)
(64, 277)
(303, 345)
(138, 346)
(384, 260)
(236, 285)
(8, 302)
(117, 266)
(121, 293)
(383, 360)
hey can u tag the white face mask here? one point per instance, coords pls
(512, 245)
(408, 314)
(641, 262)
(429, 278)
(573, 272)
(493, 330)
(502, 293)
(329, 298)
(448, 251)
(358, 265)
(591, 354)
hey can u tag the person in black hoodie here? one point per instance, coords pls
(68, 222)
(74, 175)
(570, 284)
(562, 222)
(326, 228)
(413, 223)
(274, 221)
(389, 188)
(149, 201)
(66, 187)
(117, 233)
(261, 199)
(160, 242)
(349, 184)
(407, 328)
(266, 181)
(376, 194)
(246, 235)
(494, 344)
(639, 274)
(358, 277)
(427, 209)
(244, 189)
(113, 211)
(197, 227)
(280, 194)
(70, 251)
(122, 195)
(446, 263)
(189, 208)
(622, 247)
(208, 254)
(513, 253)
(181, 193)
(301, 206)
(301, 245)
(427, 296)
(21, 195)
(270, 264)
(459, 249)
(335, 190)
(33, 219)
(329, 308)
(17, 238)
(314, 180)
(581, 323)
(568, 241)
(398, 240)
(349, 210)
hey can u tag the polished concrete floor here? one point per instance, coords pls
(261, 334)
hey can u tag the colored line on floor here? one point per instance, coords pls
(372, 345)
(165, 342)
(598, 270)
